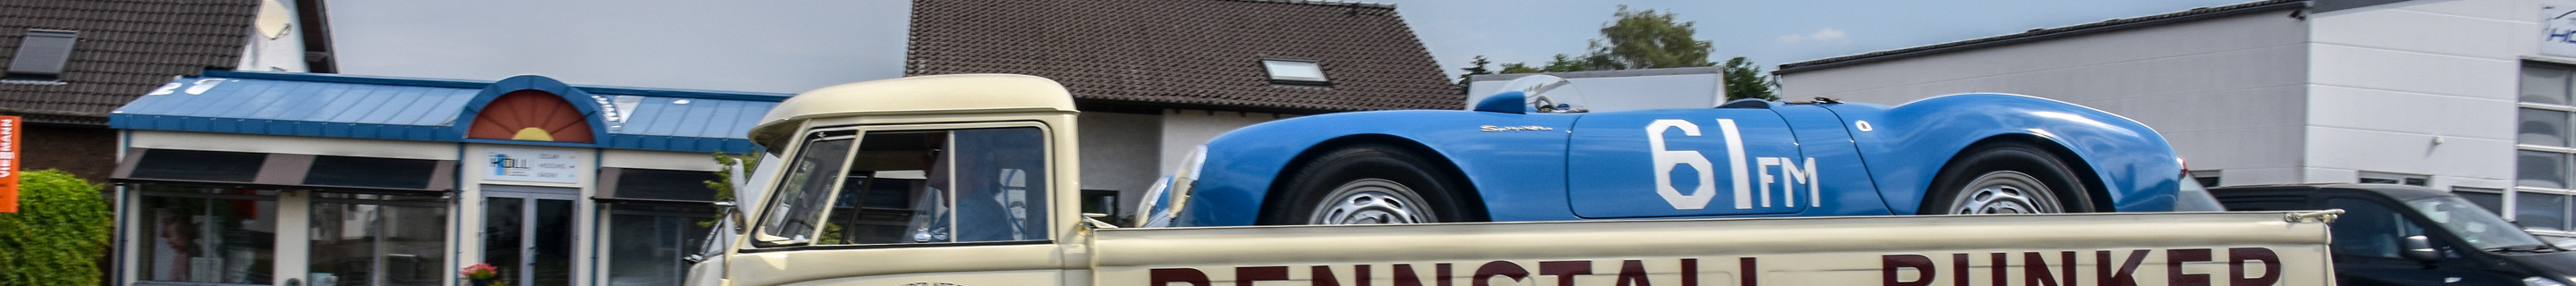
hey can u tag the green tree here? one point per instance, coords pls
(1745, 80)
(1636, 39)
(1476, 67)
(1563, 63)
(1647, 39)
(1519, 68)
(59, 233)
(727, 163)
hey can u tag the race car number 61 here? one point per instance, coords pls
(1790, 171)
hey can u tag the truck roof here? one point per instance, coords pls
(958, 93)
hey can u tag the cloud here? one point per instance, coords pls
(1828, 34)
(1825, 35)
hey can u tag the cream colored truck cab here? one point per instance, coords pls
(970, 180)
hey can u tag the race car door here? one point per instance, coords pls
(1687, 162)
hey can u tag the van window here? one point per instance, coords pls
(938, 186)
(2369, 229)
(805, 188)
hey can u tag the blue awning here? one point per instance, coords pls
(327, 105)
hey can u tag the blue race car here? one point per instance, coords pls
(1523, 156)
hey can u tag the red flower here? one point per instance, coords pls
(480, 271)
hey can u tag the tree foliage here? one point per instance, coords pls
(59, 233)
(1745, 80)
(1473, 68)
(1647, 39)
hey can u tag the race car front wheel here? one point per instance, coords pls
(1366, 184)
(2006, 178)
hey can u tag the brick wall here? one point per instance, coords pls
(88, 152)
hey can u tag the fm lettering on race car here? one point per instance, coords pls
(1792, 173)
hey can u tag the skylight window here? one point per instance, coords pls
(41, 55)
(1294, 71)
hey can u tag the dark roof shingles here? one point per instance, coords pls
(1202, 53)
(125, 49)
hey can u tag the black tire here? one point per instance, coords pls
(1367, 184)
(2007, 177)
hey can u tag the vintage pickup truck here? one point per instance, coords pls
(971, 180)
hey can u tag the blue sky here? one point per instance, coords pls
(788, 46)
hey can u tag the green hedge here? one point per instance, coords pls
(58, 234)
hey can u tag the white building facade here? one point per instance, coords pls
(2468, 96)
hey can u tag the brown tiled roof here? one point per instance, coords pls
(126, 48)
(1187, 53)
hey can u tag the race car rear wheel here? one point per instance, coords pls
(1366, 184)
(2006, 178)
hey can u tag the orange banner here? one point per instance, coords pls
(9, 129)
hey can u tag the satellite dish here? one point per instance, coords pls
(274, 19)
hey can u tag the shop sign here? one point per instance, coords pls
(9, 164)
(2558, 32)
(533, 165)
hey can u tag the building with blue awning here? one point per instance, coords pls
(394, 179)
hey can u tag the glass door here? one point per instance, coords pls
(528, 233)
(377, 239)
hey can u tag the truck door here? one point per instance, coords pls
(1687, 162)
(961, 204)
(2368, 244)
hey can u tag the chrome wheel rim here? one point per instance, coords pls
(1371, 201)
(2006, 192)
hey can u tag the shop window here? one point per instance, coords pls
(371, 172)
(42, 55)
(647, 241)
(194, 165)
(918, 186)
(374, 239)
(668, 185)
(206, 235)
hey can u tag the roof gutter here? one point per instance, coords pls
(2040, 35)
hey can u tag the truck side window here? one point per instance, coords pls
(2369, 229)
(805, 189)
(938, 186)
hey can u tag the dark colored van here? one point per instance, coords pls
(2408, 235)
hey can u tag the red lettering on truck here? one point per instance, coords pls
(2109, 268)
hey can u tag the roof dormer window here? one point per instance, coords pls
(1300, 72)
(41, 55)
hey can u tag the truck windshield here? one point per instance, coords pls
(2472, 223)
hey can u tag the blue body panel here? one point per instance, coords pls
(1601, 165)
(1908, 144)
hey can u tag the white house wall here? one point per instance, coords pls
(2418, 87)
(285, 53)
(2228, 92)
